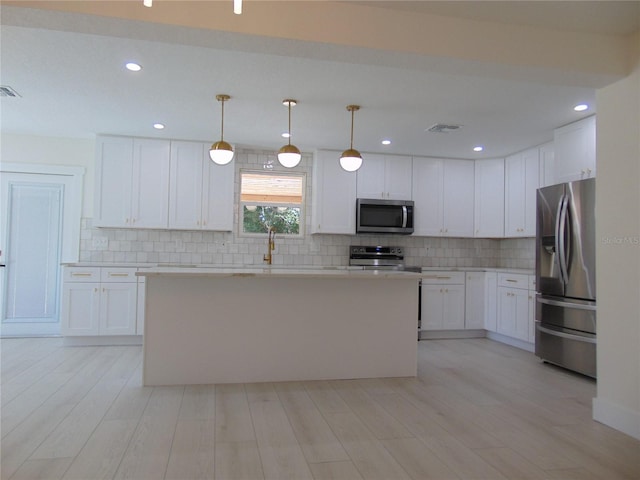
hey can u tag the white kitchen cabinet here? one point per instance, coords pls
(575, 150)
(480, 301)
(142, 295)
(132, 182)
(333, 207)
(98, 301)
(443, 301)
(385, 177)
(200, 192)
(489, 198)
(514, 315)
(547, 165)
(443, 192)
(521, 183)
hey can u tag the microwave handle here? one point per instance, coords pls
(404, 216)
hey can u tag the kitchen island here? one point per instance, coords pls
(216, 325)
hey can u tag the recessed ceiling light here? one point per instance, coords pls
(134, 67)
(285, 135)
(386, 142)
(158, 126)
(479, 148)
(581, 108)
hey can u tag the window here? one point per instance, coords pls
(272, 199)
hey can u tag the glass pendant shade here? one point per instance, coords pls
(351, 160)
(221, 152)
(289, 156)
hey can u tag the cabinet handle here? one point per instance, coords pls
(198, 223)
(95, 289)
(512, 281)
(81, 274)
(126, 220)
(204, 223)
(103, 290)
(118, 274)
(446, 290)
(443, 278)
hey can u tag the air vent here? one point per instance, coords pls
(443, 128)
(6, 91)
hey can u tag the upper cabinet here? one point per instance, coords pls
(521, 183)
(200, 192)
(489, 198)
(443, 195)
(334, 195)
(132, 182)
(547, 165)
(575, 150)
(148, 183)
(384, 177)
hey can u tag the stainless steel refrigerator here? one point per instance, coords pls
(565, 276)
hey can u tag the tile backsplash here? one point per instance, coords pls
(138, 246)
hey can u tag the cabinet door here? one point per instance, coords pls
(531, 321)
(491, 299)
(185, 186)
(514, 195)
(427, 196)
(474, 300)
(513, 312)
(334, 195)
(398, 170)
(489, 198)
(150, 190)
(547, 165)
(80, 309)
(140, 301)
(112, 195)
(371, 177)
(522, 314)
(118, 308)
(575, 150)
(453, 307)
(432, 307)
(217, 197)
(531, 184)
(458, 198)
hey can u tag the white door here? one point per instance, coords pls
(31, 242)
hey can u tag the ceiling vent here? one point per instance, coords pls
(443, 128)
(6, 91)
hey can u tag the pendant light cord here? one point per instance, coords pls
(352, 113)
(289, 122)
(222, 122)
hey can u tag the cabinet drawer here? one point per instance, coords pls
(443, 278)
(81, 274)
(119, 275)
(513, 280)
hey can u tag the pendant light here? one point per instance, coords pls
(289, 156)
(237, 7)
(351, 160)
(221, 152)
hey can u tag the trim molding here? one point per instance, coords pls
(616, 416)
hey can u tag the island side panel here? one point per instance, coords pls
(208, 329)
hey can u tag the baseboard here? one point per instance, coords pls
(102, 341)
(514, 342)
(444, 334)
(616, 416)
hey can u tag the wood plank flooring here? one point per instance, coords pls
(477, 410)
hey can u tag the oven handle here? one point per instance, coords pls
(568, 336)
(404, 216)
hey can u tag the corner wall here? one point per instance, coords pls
(618, 254)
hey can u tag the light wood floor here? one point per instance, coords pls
(478, 410)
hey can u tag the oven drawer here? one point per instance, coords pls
(574, 314)
(567, 348)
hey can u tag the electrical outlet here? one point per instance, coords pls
(99, 242)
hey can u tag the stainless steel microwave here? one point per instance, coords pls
(384, 216)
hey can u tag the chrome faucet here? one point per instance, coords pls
(271, 246)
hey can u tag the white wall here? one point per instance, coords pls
(618, 254)
(53, 151)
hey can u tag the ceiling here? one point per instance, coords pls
(71, 81)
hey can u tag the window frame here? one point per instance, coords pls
(302, 205)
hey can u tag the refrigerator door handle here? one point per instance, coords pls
(557, 303)
(566, 335)
(560, 239)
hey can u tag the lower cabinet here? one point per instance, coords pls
(443, 301)
(515, 307)
(480, 301)
(99, 301)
